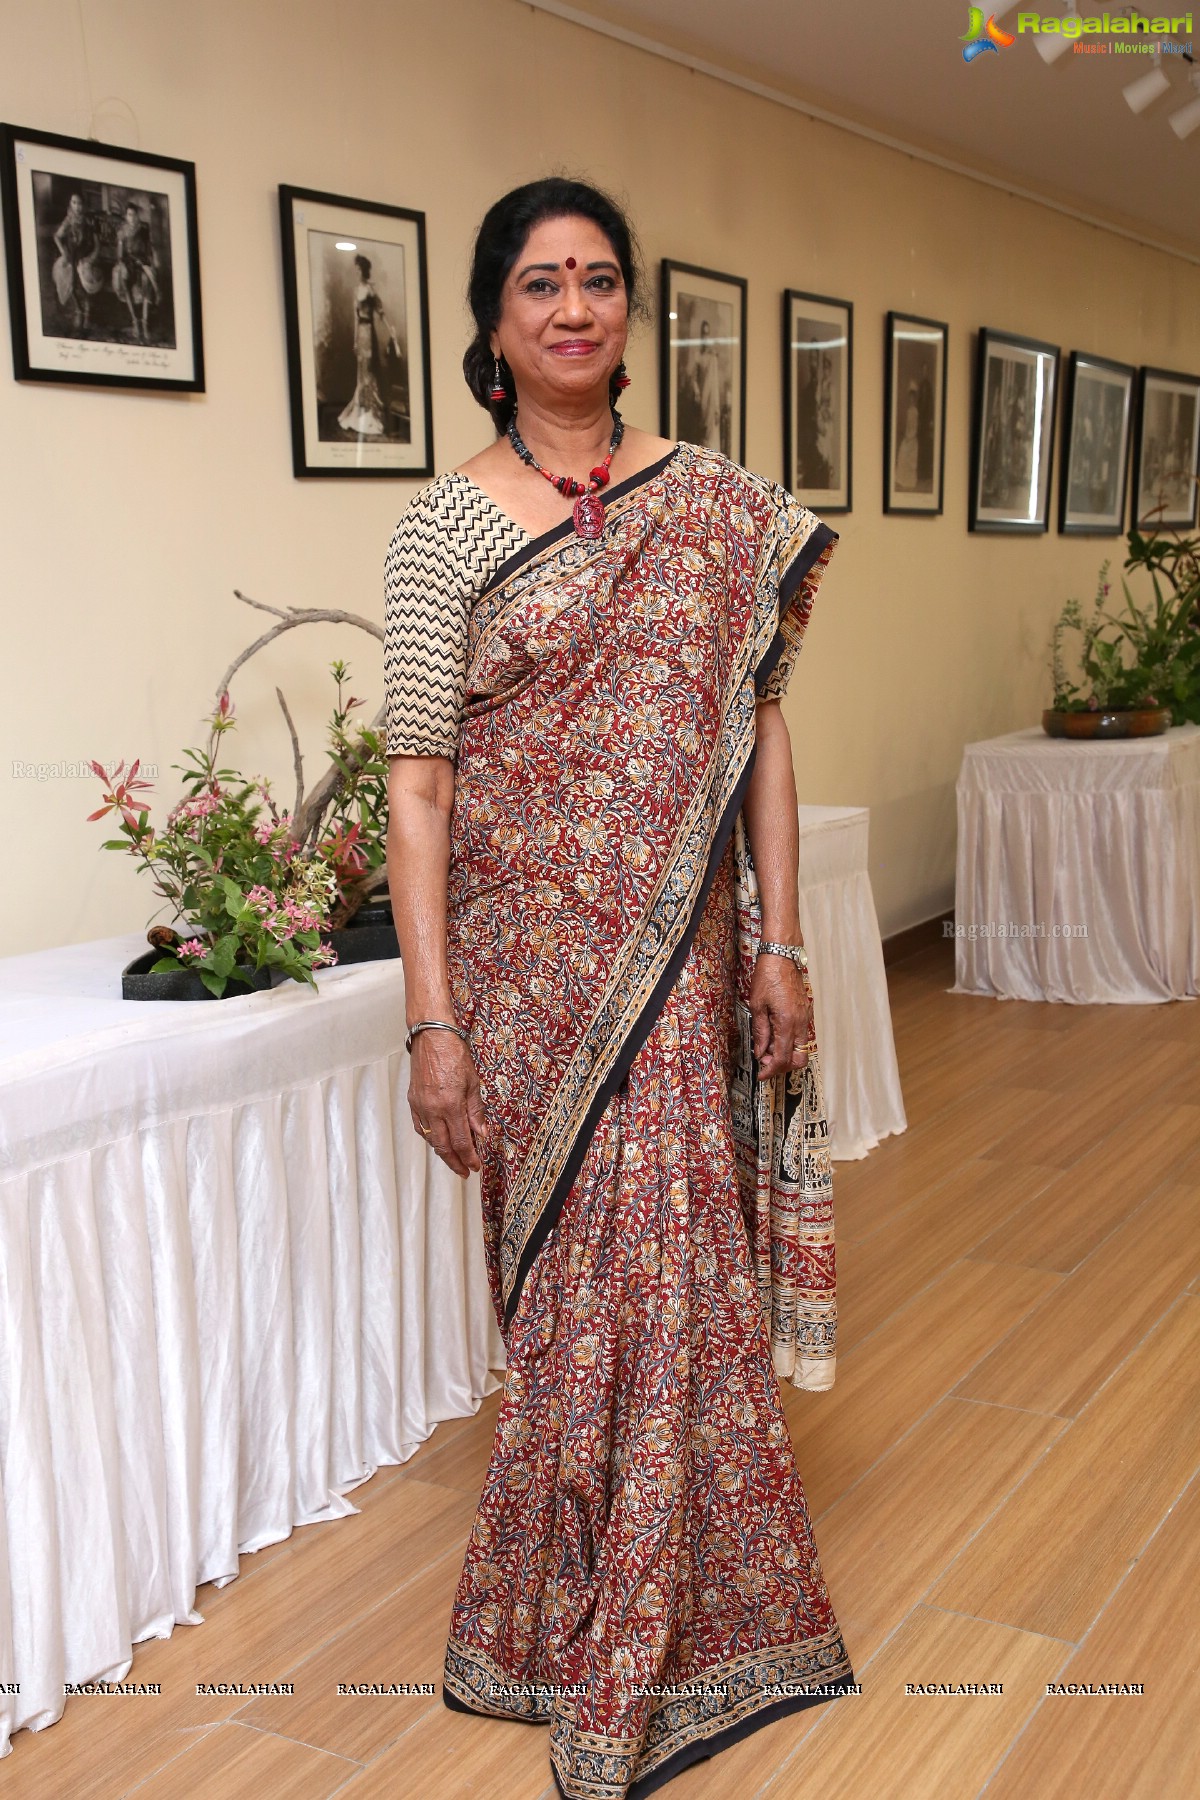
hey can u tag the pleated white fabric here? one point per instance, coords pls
(233, 1283)
(1101, 836)
(850, 997)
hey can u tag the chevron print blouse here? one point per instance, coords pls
(446, 548)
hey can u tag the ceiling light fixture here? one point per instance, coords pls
(1146, 89)
(1050, 45)
(1187, 119)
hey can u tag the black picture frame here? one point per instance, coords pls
(1012, 435)
(818, 400)
(915, 356)
(1165, 391)
(358, 414)
(711, 400)
(103, 263)
(1097, 430)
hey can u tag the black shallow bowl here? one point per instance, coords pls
(370, 936)
(137, 983)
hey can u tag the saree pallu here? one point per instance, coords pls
(641, 1574)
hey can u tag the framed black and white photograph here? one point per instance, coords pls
(702, 349)
(1166, 458)
(1097, 422)
(1012, 443)
(818, 369)
(356, 298)
(103, 263)
(914, 413)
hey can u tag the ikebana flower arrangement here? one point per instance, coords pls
(250, 888)
(1143, 659)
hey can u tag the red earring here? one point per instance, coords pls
(621, 379)
(497, 392)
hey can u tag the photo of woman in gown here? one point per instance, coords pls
(364, 414)
(908, 448)
(76, 273)
(707, 378)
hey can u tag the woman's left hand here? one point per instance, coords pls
(781, 1015)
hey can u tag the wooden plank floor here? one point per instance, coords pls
(1005, 1482)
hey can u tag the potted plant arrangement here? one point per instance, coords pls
(259, 896)
(1139, 669)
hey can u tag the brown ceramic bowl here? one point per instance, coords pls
(1117, 722)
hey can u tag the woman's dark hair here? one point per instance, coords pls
(364, 266)
(498, 243)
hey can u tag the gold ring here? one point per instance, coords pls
(424, 1129)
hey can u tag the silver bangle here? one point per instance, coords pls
(434, 1025)
(794, 952)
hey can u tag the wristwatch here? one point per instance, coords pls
(794, 952)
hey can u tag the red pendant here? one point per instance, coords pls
(589, 515)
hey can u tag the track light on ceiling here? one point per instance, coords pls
(1146, 89)
(1187, 119)
(1050, 45)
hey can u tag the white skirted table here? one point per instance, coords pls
(233, 1282)
(1078, 875)
(850, 997)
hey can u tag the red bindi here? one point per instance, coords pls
(570, 262)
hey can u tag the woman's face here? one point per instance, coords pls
(564, 312)
(75, 206)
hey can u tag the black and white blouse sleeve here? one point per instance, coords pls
(445, 549)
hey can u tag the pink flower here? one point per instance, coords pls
(198, 808)
(193, 947)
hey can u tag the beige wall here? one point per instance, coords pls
(128, 519)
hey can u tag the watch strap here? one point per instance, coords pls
(794, 952)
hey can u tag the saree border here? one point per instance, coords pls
(683, 1727)
(808, 561)
(684, 885)
(639, 1030)
(535, 545)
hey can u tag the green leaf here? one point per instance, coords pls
(224, 954)
(214, 983)
(164, 966)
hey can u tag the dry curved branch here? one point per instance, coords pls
(308, 811)
(297, 758)
(295, 615)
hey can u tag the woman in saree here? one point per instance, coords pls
(593, 865)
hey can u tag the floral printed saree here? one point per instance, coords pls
(641, 1574)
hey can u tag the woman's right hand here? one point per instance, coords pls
(444, 1097)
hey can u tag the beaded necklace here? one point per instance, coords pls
(588, 514)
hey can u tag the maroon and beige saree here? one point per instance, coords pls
(641, 1574)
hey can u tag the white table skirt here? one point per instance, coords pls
(233, 1282)
(850, 997)
(1056, 834)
